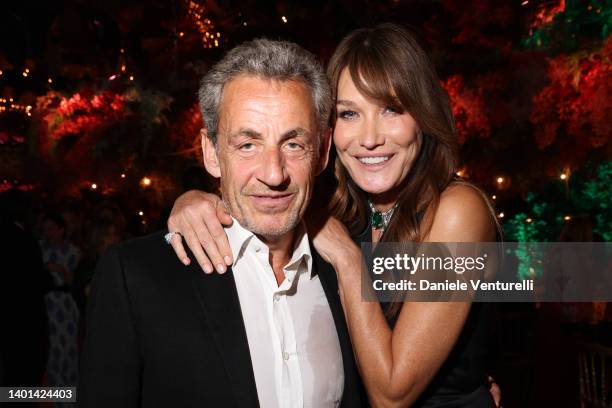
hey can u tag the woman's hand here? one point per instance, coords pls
(199, 218)
(331, 239)
(495, 392)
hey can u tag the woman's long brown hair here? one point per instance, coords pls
(386, 63)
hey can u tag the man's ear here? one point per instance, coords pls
(209, 154)
(324, 146)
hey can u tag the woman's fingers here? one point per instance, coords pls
(179, 250)
(194, 244)
(177, 242)
(218, 232)
(495, 392)
(203, 221)
(199, 216)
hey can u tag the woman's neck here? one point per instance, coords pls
(383, 202)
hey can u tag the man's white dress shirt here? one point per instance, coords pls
(294, 347)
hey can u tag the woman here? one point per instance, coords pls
(396, 157)
(61, 259)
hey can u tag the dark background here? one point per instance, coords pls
(98, 121)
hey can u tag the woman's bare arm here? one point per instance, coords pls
(396, 365)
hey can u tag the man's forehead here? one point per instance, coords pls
(249, 102)
(245, 86)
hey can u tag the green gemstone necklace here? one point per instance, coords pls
(380, 220)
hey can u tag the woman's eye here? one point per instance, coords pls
(391, 109)
(347, 114)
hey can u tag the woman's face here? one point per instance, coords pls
(52, 233)
(376, 144)
(111, 237)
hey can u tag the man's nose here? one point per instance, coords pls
(272, 171)
(370, 135)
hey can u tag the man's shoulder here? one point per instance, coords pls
(153, 244)
(146, 256)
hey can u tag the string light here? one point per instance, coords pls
(567, 218)
(9, 106)
(563, 176)
(500, 180)
(112, 77)
(122, 175)
(284, 19)
(94, 186)
(145, 181)
(50, 80)
(181, 34)
(501, 215)
(131, 77)
(528, 220)
(204, 26)
(123, 68)
(494, 197)
(140, 213)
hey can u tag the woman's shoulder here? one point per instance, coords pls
(463, 213)
(458, 195)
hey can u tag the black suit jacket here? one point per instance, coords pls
(160, 334)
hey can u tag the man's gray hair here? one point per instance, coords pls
(267, 59)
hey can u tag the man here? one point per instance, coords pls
(270, 332)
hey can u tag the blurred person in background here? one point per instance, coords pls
(101, 234)
(24, 340)
(61, 259)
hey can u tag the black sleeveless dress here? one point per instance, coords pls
(461, 382)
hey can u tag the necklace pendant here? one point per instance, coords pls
(377, 220)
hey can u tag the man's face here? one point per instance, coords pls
(266, 153)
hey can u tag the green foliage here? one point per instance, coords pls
(581, 22)
(589, 194)
(594, 198)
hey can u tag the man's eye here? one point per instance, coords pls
(347, 114)
(294, 146)
(247, 147)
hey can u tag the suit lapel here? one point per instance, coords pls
(354, 394)
(218, 297)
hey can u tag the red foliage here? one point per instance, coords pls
(473, 22)
(547, 12)
(78, 115)
(6, 185)
(185, 133)
(468, 107)
(577, 100)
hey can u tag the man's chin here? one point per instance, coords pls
(272, 225)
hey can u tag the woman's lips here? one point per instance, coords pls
(374, 162)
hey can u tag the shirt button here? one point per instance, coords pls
(277, 297)
(257, 249)
(285, 355)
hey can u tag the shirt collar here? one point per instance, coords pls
(240, 238)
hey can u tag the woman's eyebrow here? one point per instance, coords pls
(345, 102)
